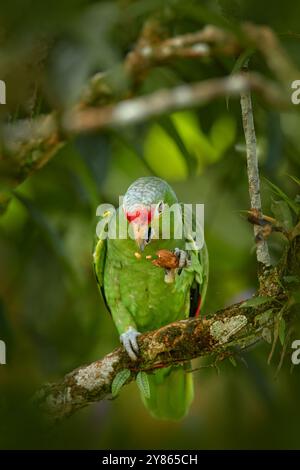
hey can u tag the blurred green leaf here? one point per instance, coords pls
(222, 134)
(282, 213)
(143, 384)
(283, 196)
(169, 127)
(231, 9)
(47, 230)
(95, 151)
(281, 330)
(294, 178)
(68, 70)
(291, 279)
(233, 361)
(184, 146)
(203, 14)
(256, 301)
(195, 139)
(119, 380)
(158, 147)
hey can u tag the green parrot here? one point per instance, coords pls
(142, 296)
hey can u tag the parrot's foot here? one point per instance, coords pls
(183, 259)
(128, 339)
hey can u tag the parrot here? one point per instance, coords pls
(143, 296)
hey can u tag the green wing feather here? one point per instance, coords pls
(99, 257)
(200, 260)
(204, 260)
(99, 260)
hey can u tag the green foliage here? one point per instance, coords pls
(119, 380)
(143, 384)
(159, 145)
(282, 214)
(294, 178)
(281, 330)
(233, 361)
(256, 301)
(184, 147)
(47, 232)
(278, 191)
(291, 279)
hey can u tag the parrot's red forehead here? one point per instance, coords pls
(142, 215)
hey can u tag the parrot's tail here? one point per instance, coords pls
(171, 393)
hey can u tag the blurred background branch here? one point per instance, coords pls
(139, 109)
(27, 145)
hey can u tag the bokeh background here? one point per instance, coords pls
(52, 317)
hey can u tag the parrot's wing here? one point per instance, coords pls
(204, 260)
(199, 259)
(99, 257)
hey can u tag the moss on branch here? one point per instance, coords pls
(220, 335)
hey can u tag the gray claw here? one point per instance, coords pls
(183, 259)
(129, 341)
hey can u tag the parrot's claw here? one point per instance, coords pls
(129, 341)
(182, 257)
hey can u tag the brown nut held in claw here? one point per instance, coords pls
(166, 259)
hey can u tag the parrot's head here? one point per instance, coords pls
(144, 203)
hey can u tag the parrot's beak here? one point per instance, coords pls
(140, 232)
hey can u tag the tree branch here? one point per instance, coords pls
(171, 344)
(268, 44)
(229, 330)
(165, 101)
(29, 144)
(210, 41)
(262, 252)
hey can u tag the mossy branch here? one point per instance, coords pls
(231, 329)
